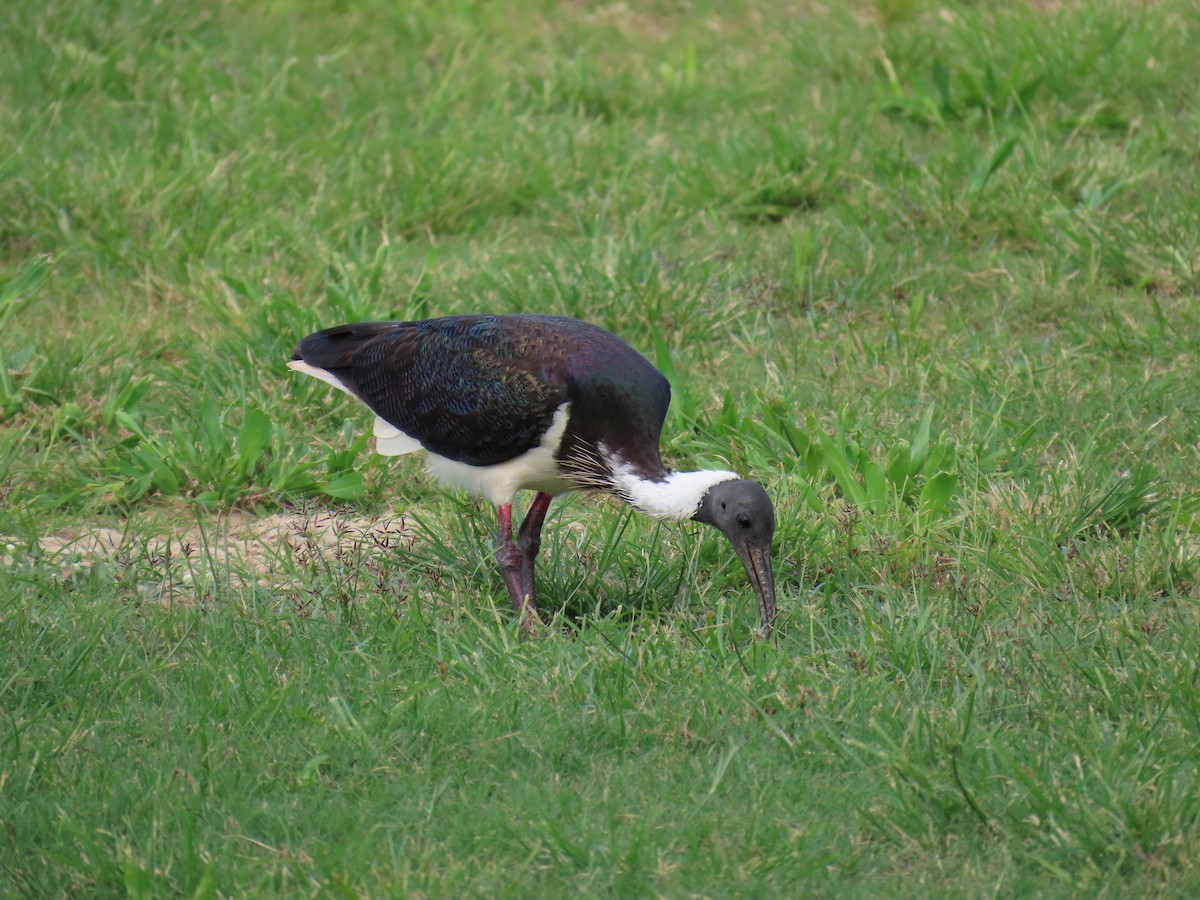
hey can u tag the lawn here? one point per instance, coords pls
(928, 271)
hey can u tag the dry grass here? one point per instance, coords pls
(264, 551)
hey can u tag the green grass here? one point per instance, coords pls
(929, 271)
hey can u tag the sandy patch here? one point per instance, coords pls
(182, 564)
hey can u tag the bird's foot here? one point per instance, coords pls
(531, 622)
(520, 592)
(524, 600)
(516, 559)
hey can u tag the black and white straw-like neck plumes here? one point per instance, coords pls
(501, 404)
(673, 495)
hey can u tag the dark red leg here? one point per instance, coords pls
(529, 541)
(511, 567)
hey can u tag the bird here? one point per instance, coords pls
(506, 403)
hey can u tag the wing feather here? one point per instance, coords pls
(469, 388)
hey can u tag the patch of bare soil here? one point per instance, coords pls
(180, 565)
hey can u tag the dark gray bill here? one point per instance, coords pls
(757, 561)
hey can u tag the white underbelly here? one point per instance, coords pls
(499, 483)
(533, 470)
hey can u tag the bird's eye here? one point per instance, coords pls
(743, 520)
(722, 506)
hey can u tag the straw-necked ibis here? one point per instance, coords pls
(549, 404)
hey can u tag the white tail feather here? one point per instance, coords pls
(391, 441)
(299, 365)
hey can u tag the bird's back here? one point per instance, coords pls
(484, 389)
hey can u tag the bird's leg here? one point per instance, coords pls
(529, 541)
(510, 561)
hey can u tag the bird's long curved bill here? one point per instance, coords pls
(757, 561)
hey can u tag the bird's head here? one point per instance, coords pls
(744, 514)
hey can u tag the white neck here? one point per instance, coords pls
(677, 496)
